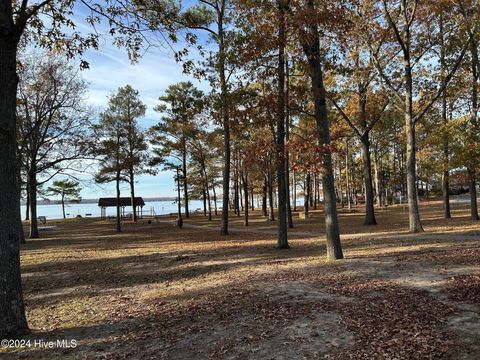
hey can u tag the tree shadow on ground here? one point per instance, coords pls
(95, 286)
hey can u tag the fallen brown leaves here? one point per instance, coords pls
(391, 322)
(465, 288)
(160, 292)
(388, 321)
(444, 257)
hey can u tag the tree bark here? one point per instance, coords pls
(294, 190)
(287, 138)
(367, 175)
(340, 187)
(132, 193)
(240, 190)
(312, 190)
(264, 198)
(12, 312)
(412, 193)
(179, 203)
(378, 181)
(252, 203)
(185, 181)
(306, 195)
(474, 121)
(415, 224)
(204, 199)
(207, 191)
(282, 238)
(347, 178)
(270, 196)
(225, 118)
(63, 206)
(446, 173)
(446, 194)
(118, 220)
(236, 197)
(27, 204)
(473, 194)
(312, 51)
(32, 185)
(245, 194)
(209, 204)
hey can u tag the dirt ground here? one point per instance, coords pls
(159, 292)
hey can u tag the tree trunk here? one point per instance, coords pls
(204, 197)
(347, 178)
(63, 206)
(208, 195)
(367, 175)
(378, 182)
(132, 193)
(412, 191)
(294, 190)
(306, 195)
(236, 197)
(415, 224)
(235, 189)
(473, 194)
(225, 119)
(311, 193)
(270, 196)
(179, 205)
(252, 203)
(282, 238)
(403, 180)
(32, 185)
(264, 198)
(27, 204)
(245, 193)
(215, 199)
(21, 232)
(226, 177)
(240, 190)
(12, 312)
(446, 194)
(118, 220)
(287, 138)
(340, 185)
(312, 51)
(474, 121)
(185, 182)
(446, 173)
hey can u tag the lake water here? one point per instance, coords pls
(54, 211)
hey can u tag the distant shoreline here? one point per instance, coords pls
(95, 201)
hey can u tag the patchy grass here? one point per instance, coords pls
(156, 291)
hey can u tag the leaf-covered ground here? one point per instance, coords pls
(158, 292)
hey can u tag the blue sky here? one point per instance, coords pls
(110, 69)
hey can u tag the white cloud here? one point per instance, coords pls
(110, 69)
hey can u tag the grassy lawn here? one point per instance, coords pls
(156, 291)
